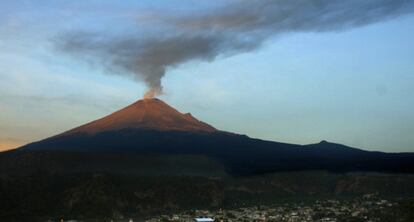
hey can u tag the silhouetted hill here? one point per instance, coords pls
(152, 129)
(148, 157)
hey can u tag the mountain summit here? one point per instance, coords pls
(145, 114)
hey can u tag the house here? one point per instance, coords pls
(203, 219)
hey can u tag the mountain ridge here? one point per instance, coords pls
(153, 128)
(145, 114)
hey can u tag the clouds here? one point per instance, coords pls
(240, 26)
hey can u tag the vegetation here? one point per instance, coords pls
(101, 196)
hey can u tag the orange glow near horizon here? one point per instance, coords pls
(10, 144)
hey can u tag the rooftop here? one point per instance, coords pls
(206, 219)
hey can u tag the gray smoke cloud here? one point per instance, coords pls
(240, 26)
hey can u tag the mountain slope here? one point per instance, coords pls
(145, 114)
(147, 158)
(151, 129)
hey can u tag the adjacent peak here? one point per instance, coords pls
(189, 115)
(323, 142)
(149, 113)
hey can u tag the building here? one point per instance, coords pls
(203, 219)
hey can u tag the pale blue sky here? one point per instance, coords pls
(353, 87)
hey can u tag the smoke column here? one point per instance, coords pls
(239, 26)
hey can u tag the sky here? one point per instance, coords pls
(288, 71)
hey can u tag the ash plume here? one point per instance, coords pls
(240, 26)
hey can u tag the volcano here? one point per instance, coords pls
(148, 157)
(146, 114)
(151, 136)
